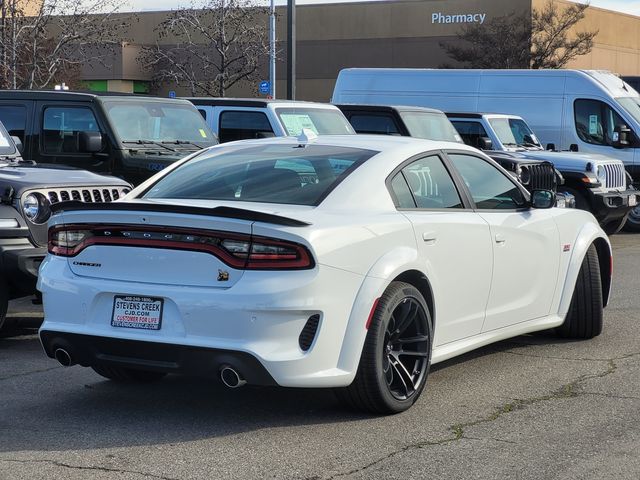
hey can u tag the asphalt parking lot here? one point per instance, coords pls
(534, 407)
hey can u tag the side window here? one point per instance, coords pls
(203, 113)
(377, 124)
(595, 121)
(429, 184)
(401, 191)
(14, 119)
(61, 127)
(470, 131)
(242, 125)
(489, 187)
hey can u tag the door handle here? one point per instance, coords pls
(500, 240)
(429, 237)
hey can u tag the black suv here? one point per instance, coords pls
(27, 191)
(129, 136)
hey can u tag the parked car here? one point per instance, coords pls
(28, 191)
(245, 118)
(335, 261)
(599, 184)
(129, 136)
(431, 124)
(581, 110)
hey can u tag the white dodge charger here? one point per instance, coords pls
(351, 262)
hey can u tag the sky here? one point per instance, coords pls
(626, 6)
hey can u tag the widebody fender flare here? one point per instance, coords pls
(587, 235)
(380, 275)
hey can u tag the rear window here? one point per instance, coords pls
(321, 121)
(267, 173)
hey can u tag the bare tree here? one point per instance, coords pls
(210, 48)
(44, 42)
(539, 40)
(503, 42)
(551, 46)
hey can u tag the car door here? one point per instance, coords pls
(593, 125)
(16, 116)
(454, 245)
(60, 125)
(526, 243)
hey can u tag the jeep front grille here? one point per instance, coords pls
(615, 176)
(543, 176)
(88, 195)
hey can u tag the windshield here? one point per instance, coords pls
(266, 173)
(631, 105)
(7, 146)
(154, 121)
(321, 121)
(430, 126)
(514, 132)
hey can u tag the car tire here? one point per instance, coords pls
(4, 303)
(127, 375)
(396, 356)
(585, 315)
(615, 226)
(633, 220)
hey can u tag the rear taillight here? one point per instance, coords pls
(236, 250)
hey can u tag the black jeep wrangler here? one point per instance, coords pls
(27, 191)
(129, 136)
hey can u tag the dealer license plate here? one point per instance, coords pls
(137, 312)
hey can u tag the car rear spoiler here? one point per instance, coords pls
(226, 212)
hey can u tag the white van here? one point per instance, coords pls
(585, 110)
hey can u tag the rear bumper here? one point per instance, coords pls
(88, 350)
(257, 322)
(611, 206)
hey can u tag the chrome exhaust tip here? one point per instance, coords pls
(230, 377)
(63, 357)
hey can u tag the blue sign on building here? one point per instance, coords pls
(172, 94)
(264, 87)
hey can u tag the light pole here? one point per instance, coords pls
(272, 49)
(291, 49)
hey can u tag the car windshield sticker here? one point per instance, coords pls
(203, 134)
(593, 124)
(294, 123)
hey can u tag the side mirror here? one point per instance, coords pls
(18, 143)
(543, 199)
(90, 142)
(551, 147)
(621, 136)
(573, 147)
(485, 143)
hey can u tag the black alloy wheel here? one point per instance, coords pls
(405, 356)
(396, 355)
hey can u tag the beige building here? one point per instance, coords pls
(401, 33)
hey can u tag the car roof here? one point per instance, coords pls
(378, 143)
(386, 108)
(67, 95)
(479, 115)
(252, 102)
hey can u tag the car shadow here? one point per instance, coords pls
(75, 409)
